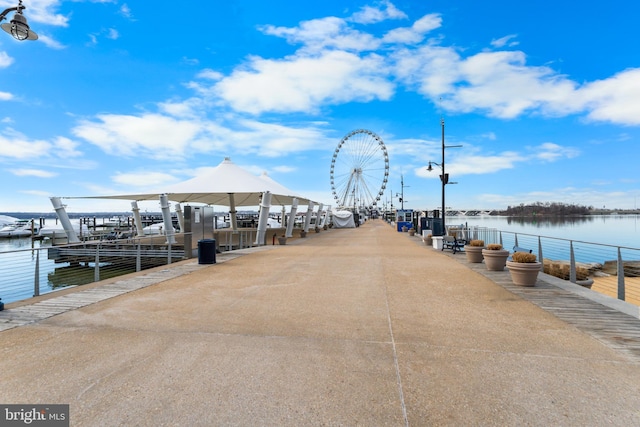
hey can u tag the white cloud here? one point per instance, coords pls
(416, 32)
(125, 11)
(5, 60)
(66, 148)
(501, 84)
(210, 74)
(614, 99)
(162, 137)
(505, 41)
(372, 15)
(330, 32)
(304, 83)
(475, 165)
(33, 172)
(274, 140)
(112, 34)
(42, 11)
(6, 96)
(154, 135)
(49, 42)
(551, 152)
(14, 145)
(284, 169)
(143, 179)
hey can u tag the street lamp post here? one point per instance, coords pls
(18, 26)
(445, 176)
(401, 195)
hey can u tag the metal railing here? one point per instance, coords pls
(614, 270)
(39, 270)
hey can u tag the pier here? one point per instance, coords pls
(362, 326)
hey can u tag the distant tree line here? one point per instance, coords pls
(548, 208)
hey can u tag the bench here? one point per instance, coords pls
(450, 242)
(519, 249)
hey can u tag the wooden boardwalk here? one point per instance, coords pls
(615, 329)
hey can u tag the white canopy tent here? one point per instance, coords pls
(343, 219)
(217, 186)
(224, 185)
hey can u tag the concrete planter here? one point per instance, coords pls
(524, 273)
(303, 233)
(495, 260)
(474, 253)
(282, 240)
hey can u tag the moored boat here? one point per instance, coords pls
(21, 228)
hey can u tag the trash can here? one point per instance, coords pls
(437, 227)
(207, 251)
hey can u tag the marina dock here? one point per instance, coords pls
(364, 326)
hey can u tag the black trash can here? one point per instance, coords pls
(207, 251)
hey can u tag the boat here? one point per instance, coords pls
(20, 228)
(155, 229)
(56, 232)
(6, 220)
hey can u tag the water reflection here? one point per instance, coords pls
(616, 230)
(547, 222)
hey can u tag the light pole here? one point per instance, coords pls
(445, 176)
(18, 26)
(401, 195)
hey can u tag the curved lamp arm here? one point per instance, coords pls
(18, 26)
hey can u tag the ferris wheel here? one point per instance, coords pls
(359, 170)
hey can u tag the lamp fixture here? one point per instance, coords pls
(18, 26)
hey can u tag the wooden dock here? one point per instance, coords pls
(614, 328)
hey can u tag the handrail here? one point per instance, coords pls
(611, 265)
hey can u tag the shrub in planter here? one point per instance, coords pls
(474, 251)
(524, 268)
(495, 258)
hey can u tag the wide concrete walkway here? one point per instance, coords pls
(352, 327)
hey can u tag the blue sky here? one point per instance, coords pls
(118, 98)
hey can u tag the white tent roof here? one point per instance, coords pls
(214, 187)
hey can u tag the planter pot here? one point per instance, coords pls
(282, 240)
(317, 230)
(495, 260)
(303, 233)
(428, 241)
(524, 273)
(404, 228)
(412, 232)
(474, 253)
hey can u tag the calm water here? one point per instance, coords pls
(616, 230)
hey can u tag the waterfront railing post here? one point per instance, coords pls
(96, 270)
(169, 254)
(36, 279)
(572, 263)
(540, 255)
(139, 256)
(621, 290)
